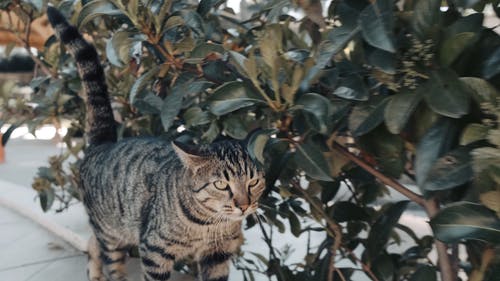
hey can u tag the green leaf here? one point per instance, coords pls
(270, 45)
(205, 6)
(256, 144)
(112, 53)
(474, 132)
(193, 20)
(375, 28)
(7, 133)
(491, 199)
(383, 268)
(202, 50)
(382, 228)
(426, 15)
(337, 40)
(261, 258)
(449, 171)
(452, 47)
(232, 96)
(318, 109)
(47, 197)
(464, 221)
(399, 109)
(46, 173)
(383, 60)
(367, 116)
(435, 143)
(239, 61)
(387, 148)
(424, 273)
(119, 50)
(211, 134)
(343, 211)
(482, 90)
(95, 9)
(467, 3)
(446, 94)
(471, 23)
(173, 102)
(329, 190)
(491, 66)
(195, 116)
(148, 103)
(295, 227)
(133, 9)
(141, 82)
(352, 88)
(234, 127)
(310, 159)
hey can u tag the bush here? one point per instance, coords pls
(337, 108)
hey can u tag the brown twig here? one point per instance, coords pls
(339, 272)
(331, 225)
(431, 207)
(364, 266)
(26, 41)
(381, 177)
(445, 265)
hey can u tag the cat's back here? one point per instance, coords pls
(126, 161)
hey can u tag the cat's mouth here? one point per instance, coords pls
(237, 214)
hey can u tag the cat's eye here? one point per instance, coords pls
(253, 183)
(222, 185)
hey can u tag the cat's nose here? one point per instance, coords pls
(242, 207)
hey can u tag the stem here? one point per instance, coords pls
(269, 243)
(269, 101)
(340, 274)
(26, 42)
(381, 177)
(365, 267)
(332, 225)
(431, 207)
(445, 265)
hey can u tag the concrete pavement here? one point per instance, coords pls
(29, 252)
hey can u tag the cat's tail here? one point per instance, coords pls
(101, 126)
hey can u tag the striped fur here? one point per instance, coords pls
(173, 202)
(101, 127)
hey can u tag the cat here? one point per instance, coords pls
(172, 200)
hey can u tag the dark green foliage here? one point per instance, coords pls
(410, 89)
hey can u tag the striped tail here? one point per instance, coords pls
(101, 126)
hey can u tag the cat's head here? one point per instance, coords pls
(225, 179)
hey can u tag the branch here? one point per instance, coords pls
(364, 266)
(331, 225)
(431, 207)
(381, 177)
(269, 243)
(26, 42)
(445, 265)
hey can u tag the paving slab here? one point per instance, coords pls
(23, 157)
(29, 252)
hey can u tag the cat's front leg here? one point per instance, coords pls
(214, 266)
(157, 262)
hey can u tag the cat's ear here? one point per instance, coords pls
(190, 156)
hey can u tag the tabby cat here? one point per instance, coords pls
(171, 200)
